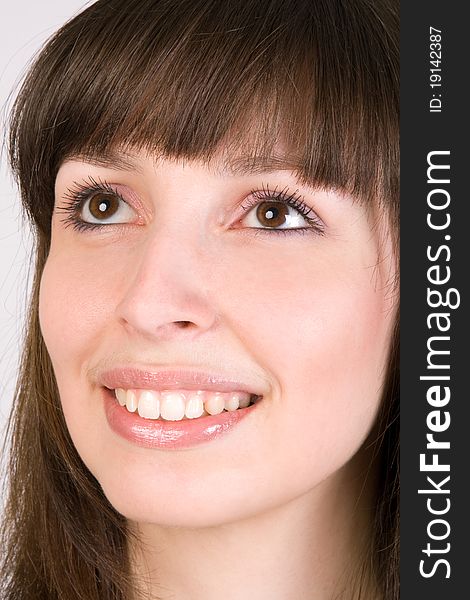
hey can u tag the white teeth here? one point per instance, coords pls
(131, 401)
(175, 405)
(149, 405)
(194, 405)
(172, 406)
(233, 402)
(121, 395)
(215, 404)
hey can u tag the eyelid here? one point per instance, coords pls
(125, 193)
(284, 196)
(80, 192)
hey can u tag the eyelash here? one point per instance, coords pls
(79, 193)
(293, 199)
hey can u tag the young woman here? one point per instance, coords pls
(207, 402)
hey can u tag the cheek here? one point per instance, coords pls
(73, 309)
(75, 298)
(331, 316)
(323, 334)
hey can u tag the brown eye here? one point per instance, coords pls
(279, 212)
(103, 206)
(106, 208)
(272, 214)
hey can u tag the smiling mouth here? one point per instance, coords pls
(178, 405)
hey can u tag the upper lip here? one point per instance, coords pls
(155, 379)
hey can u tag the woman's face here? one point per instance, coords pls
(293, 307)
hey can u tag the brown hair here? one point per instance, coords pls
(317, 78)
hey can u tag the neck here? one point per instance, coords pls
(311, 547)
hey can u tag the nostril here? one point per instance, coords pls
(183, 324)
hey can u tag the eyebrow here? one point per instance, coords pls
(119, 161)
(232, 165)
(246, 165)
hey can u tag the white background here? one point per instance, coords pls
(24, 27)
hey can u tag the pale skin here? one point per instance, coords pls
(279, 508)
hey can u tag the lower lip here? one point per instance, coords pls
(169, 435)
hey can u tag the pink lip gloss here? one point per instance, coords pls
(169, 435)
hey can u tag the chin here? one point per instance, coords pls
(170, 513)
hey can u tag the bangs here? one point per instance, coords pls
(191, 78)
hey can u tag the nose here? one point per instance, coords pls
(166, 293)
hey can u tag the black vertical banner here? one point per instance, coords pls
(435, 359)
